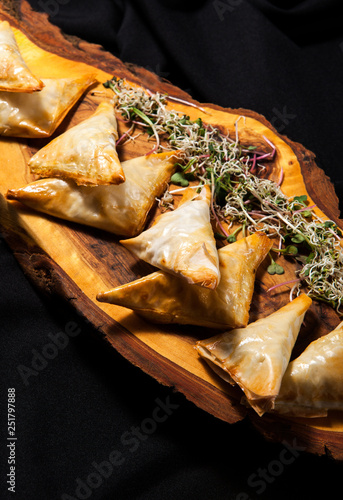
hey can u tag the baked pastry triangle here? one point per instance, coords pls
(162, 297)
(121, 209)
(182, 242)
(40, 113)
(86, 152)
(15, 76)
(313, 382)
(256, 357)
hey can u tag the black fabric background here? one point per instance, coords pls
(283, 59)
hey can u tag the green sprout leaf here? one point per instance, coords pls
(298, 238)
(310, 258)
(232, 238)
(300, 199)
(307, 213)
(179, 179)
(291, 250)
(275, 268)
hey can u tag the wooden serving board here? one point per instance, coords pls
(75, 262)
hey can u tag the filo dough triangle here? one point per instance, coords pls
(182, 242)
(39, 114)
(121, 209)
(256, 357)
(313, 382)
(86, 152)
(15, 76)
(164, 298)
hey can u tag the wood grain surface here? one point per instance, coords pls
(74, 262)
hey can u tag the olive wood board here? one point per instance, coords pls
(75, 262)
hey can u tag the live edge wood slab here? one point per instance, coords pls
(75, 263)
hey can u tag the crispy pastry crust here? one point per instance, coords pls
(313, 382)
(40, 113)
(182, 242)
(256, 357)
(162, 297)
(85, 153)
(121, 209)
(15, 75)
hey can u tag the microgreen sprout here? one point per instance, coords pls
(232, 237)
(274, 268)
(240, 194)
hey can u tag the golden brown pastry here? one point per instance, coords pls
(182, 242)
(40, 113)
(313, 382)
(15, 75)
(256, 357)
(164, 298)
(121, 209)
(86, 152)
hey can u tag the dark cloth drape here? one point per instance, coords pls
(88, 423)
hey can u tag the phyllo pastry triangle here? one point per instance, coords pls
(40, 113)
(313, 382)
(86, 152)
(182, 242)
(164, 298)
(121, 209)
(256, 357)
(15, 76)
